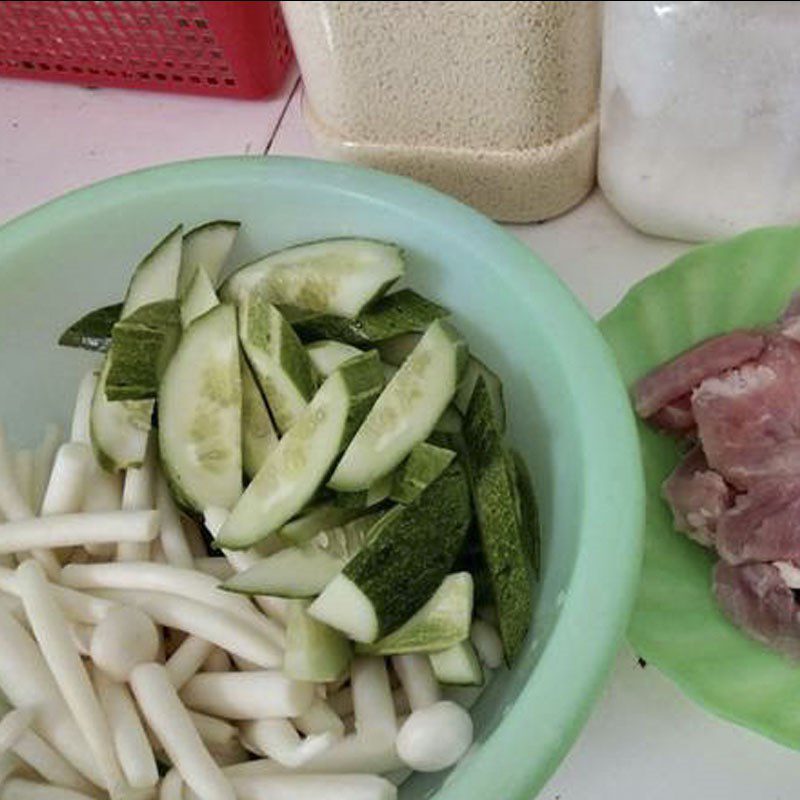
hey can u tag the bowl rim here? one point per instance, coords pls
(600, 592)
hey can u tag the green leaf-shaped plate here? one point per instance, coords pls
(676, 625)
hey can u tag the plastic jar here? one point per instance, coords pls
(700, 120)
(493, 102)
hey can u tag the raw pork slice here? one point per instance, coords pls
(676, 416)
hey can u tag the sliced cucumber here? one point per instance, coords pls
(295, 468)
(450, 421)
(402, 312)
(333, 276)
(529, 512)
(315, 520)
(142, 345)
(156, 277)
(199, 414)
(494, 494)
(119, 430)
(279, 361)
(377, 493)
(442, 622)
(294, 572)
(258, 433)
(327, 355)
(425, 464)
(314, 651)
(406, 411)
(407, 555)
(475, 369)
(93, 330)
(457, 666)
(198, 298)
(206, 247)
(396, 350)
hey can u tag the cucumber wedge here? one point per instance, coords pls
(327, 355)
(457, 666)
(494, 494)
(529, 512)
(198, 297)
(199, 414)
(295, 468)
(377, 493)
(294, 572)
(141, 346)
(475, 369)
(315, 520)
(450, 422)
(406, 412)
(396, 350)
(314, 651)
(206, 247)
(407, 555)
(399, 313)
(442, 622)
(93, 330)
(333, 276)
(279, 361)
(258, 432)
(424, 465)
(156, 277)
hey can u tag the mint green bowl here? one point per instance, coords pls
(568, 411)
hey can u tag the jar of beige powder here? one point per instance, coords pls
(493, 102)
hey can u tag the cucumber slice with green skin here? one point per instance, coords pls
(529, 512)
(259, 436)
(471, 560)
(406, 412)
(396, 350)
(475, 369)
(199, 414)
(327, 355)
(93, 330)
(407, 555)
(206, 247)
(142, 345)
(279, 361)
(424, 465)
(314, 651)
(401, 312)
(442, 622)
(333, 276)
(457, 666)
(198, 297)
(299, 463)
(315, 520)
(377, 493)
(494, 495)
(156, 277)
(118, 430)
(294, 572)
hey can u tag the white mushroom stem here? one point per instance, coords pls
(186, 661)
(103, 493)
(81, 636)
(50, 630)
(69, 530)
(43, 460)
(216, 625)
(213, 731)
(171, 786)
(275, 607)
(215, 566)
(138, 494)
(130, 740)
(27, 682)
(243, 665)
(174, 728)
(23, 472)
(487, 643)
(12, 501)
(319, 718)
(173, 538)
(313, 787)
(14, 606)
(80, 428)
(186, 583)
(66, 488)
(78, 606)
(23, 789)
(217, 661)
(13, 725)
(10, 765)
(417, 678)
(373, 705)
(278, 739)
(248, 695)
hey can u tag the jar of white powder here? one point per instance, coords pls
(700, 120)
(493, 102)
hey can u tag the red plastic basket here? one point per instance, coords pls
(235, 49)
